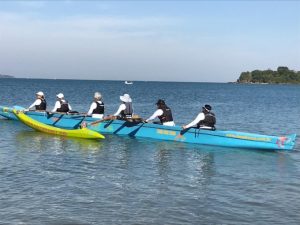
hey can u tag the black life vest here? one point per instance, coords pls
(127, 113)
(166, 116)
(209, 120)
(41, 106)
(99, 109)
(64, 106)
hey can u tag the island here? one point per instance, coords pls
(283, 75)
(6, 76)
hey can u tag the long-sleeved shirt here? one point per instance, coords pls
(200, 117)
(121, 108)
(57, 106)
(92, 107)
(36, 102)
(157, 113)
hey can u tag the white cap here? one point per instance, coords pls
(126, 98)
(40, 93)
(60, 95)
(97, 95)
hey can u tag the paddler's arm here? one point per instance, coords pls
(200, 117)
(92, 107)
(157, 113)
(36, 102)
(121, 108)
(56, 106)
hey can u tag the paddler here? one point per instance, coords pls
(164, 114)
(125, 110)
(205, 119)
(61, 105)
(40, 102)
(97, 107)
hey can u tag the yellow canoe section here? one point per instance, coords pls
(36, 125)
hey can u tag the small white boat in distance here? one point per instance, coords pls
(128, 82)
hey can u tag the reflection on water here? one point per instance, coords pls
(37, 141)
(186, 162)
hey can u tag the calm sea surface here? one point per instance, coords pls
(52, 180)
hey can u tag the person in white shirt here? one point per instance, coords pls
(40, 102)
(97, 107)
(164, 114)
(205, 119)
(61, 105)
(125, 110)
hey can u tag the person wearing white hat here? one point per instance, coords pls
(125, 110)
(40, 102)
(205, 119)
(61, 105)
(97, 107)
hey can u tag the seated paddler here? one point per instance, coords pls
(61, 105)
(97, 107)
(125, 110)
(40, 102)
(205, 119)
(163, 113)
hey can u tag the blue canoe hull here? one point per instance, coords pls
(160, 132)
(7, 113)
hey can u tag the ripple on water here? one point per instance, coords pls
(121, 180)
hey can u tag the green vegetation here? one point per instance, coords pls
(282, 76)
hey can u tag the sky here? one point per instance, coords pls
(192, 41)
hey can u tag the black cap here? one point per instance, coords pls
(207, 107)
(160, 102)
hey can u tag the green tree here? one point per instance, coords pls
(245, 77)
(282, 75)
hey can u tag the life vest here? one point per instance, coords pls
(41, 106)
(127, 113)
(209, 120)
(99, 109)
(64, 106)
(166, 116)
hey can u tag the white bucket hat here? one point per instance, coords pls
(126, 98)
(60, 95)
(98, 95)
(40, 93)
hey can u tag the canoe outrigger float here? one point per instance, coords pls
(78, 133)
(160, 132)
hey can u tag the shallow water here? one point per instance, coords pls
(121, 180)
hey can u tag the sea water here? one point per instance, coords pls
(47, 179)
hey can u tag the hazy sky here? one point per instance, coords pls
(147, 40)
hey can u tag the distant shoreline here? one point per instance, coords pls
(6, 76)
(152, 81)
(77, 79)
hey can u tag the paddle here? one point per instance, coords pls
(98, 121)
(184, 130)
(61, 115)
(135, 117)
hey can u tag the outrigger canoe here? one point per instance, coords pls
(78, 133)
(155, 131)
(7, 112)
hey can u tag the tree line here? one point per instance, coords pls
(282, 76)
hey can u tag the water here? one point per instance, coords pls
(121, 180)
